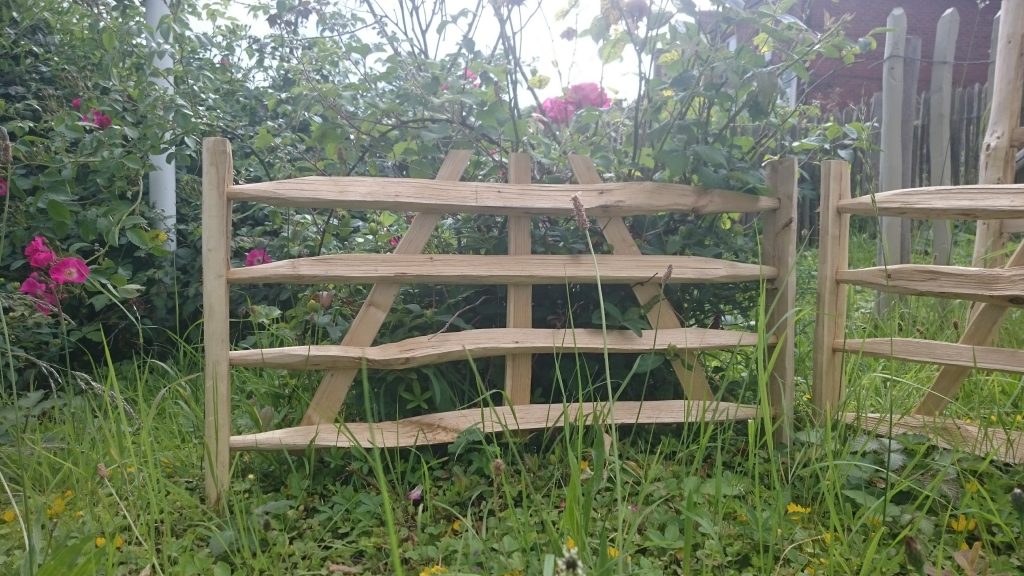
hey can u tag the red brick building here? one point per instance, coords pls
(864, 78)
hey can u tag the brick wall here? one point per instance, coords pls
(837, 85)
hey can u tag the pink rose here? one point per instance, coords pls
(590, 95)
(257, 256)
(3, 187)
(101, 120)
(558, 110)
(36, 287)
(38, 253)
(76, 103)
(71, 270)
(394, 241)
(471, 77)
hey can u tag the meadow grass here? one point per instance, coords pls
(110, 483)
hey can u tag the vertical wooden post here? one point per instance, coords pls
(911, 72)
(946, 33)
(833, 256)
(217, 175)
(780, 238)
(997, 154)
(891, 170)
(520, 297)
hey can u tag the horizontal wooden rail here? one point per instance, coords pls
(445, 427)
(980, 202)
(486, 343)
(948, 433)
(932, 352)
(413, 195)
(1003, 286)
(498, 269)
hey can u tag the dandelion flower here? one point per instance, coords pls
(101, 541)
(613, 552)
(963, 524)
(118, 542)
(795, 509)
(56, 508)
(9, 516)
(437, 569)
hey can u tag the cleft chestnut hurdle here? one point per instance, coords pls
(518, 200)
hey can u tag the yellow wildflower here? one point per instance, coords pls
(69, 495)
(57, 508)
(963, 524)
(457, 526)
(438, 569)
(992, 417)
(972, 487)
(101, 541)
(9, 516)
(613, 552)
(964, 546)
(118, 542)
(795, 509)
(570, 544)
(827, 538)
(584, 466)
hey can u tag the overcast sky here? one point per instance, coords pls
(565, 62)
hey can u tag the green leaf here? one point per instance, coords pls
(138, 237)
(611, 50)
(58, 211)
(648, 362)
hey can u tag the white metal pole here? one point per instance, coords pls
(162, 184)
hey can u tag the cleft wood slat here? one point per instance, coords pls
(487, 343)
(941, 353)
(1002, 286)
(982, 201)
(445, 427)
(416, 195)
(1004, 445)
(499, 269)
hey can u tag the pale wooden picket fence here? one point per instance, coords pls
(519, 270)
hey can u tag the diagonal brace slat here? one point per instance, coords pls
(330, 395)
(661, 315)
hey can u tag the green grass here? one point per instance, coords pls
(691, 499)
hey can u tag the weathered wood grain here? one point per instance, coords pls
(498, 269)
(932, 352)
(217, 174)
(1004, 201)
(489, 342)
(1004, 445)
(415, 195)
(1003, 286)
(445, 427)
(519, 308)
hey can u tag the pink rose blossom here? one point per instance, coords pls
(76, 103)
(101, 120)
(38, 253)
(32, 286)
(471, 77)
(589, 94)
(394, 241)
(36, 287)
(257, 256)
(3, 187)
(71, 270)
(558, 110)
